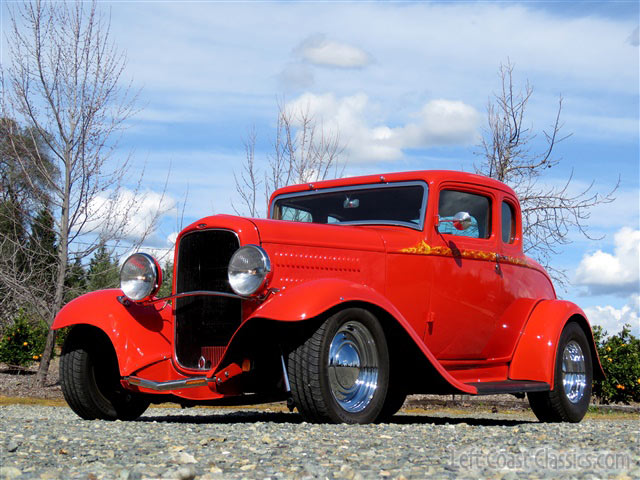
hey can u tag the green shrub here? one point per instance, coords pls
(620, 359)
(22, 343)
(61, 336)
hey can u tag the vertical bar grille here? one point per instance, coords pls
(205, 324)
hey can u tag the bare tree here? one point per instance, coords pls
(63, 83)
(248, 183)
(303, 151)
(549, 212)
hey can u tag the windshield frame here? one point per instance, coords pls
(369, 186)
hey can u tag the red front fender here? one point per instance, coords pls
(141, 335)
(311, 299)
(534, 357)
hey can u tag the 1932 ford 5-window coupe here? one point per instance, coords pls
(351, 295)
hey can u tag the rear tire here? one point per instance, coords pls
(90, 379)
(340, 373)
(573, 376)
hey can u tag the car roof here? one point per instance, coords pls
(429, 176)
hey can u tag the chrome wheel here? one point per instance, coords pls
(574, 377)
(353, 367)
(339, 373)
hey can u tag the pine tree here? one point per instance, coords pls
(23, 193)
(42, 249)
(167, 280)
(103, 271)
(76, 281)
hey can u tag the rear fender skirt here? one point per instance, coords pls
(141, 335)
(311, 299)
(535, 354)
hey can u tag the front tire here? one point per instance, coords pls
(90, 379)
(340, 373)
(396, 396)
(573, 377)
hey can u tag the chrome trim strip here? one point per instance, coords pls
(379, 222)
(195, 293)
(367, 186)
(170, 385)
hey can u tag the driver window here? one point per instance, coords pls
(478, 206)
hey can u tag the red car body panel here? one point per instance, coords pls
(534, 357)
(311, 299)
(478, 309)
(141, 335)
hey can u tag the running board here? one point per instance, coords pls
(170, 385)
(509, 386)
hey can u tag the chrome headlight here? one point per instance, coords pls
(249, 270)
(140, 277)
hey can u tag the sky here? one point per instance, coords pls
(406, 84)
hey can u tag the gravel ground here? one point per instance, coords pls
(435, 436)
(18, 382)
(52, 443)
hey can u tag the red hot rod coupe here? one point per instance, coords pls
(351, 295)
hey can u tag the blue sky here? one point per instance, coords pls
(407, 85)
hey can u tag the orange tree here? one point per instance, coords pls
(23, 342)
(620, 358)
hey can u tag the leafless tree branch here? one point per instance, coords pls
(64, 84)
(550, 213)
(303, 151)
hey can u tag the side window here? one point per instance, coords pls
(478, 206)
(508, 223)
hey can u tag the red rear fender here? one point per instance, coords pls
(535, 354)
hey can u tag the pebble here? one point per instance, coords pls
(213, 444)
(184, 457)
(12, 446)
(9, 472)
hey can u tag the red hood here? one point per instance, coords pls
(318, 235)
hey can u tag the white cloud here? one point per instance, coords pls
(439, 122)
(127, 215)
(612, 319)
(172, 237)
(329, 53)
(162, 254)
(227, 61)
(616, 273)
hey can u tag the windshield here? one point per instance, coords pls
(400, 203)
